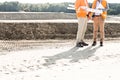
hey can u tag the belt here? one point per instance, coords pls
(97, 15)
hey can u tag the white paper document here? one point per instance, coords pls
(91, 10)
(86, 8)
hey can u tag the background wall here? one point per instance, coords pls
(50, 30)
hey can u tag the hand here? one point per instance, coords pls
(89, 18)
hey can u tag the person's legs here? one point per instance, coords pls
(84, 30)
(101, 31)
(95, 29)
(81, 22)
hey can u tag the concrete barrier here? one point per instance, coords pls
(35, 15)
(50, 29)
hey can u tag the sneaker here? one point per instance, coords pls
(79, 44)
(84, 44)
(101, 43)
(94, 43)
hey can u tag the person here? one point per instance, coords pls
(82, 21)
(99, 19)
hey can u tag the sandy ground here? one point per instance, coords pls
(59, 60)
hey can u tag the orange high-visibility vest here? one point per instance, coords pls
(81, 12)
(104, 3)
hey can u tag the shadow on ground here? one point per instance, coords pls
(74, 54)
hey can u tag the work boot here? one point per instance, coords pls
(101, 43)
(84, 44)
(79, 44)
(94, 43)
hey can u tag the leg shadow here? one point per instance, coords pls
(74, 54)
(84, 54)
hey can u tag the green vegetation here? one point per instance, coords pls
(47, 7)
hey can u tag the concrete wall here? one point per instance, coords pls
(49, 29)
(35, 15)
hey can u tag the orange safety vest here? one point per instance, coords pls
(104, 3)
(81, 12)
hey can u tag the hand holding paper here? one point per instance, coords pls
(86, 8)
(91, 10)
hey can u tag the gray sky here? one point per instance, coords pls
(54, 1)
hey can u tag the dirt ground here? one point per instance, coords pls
(59, 60)
(18, 45)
